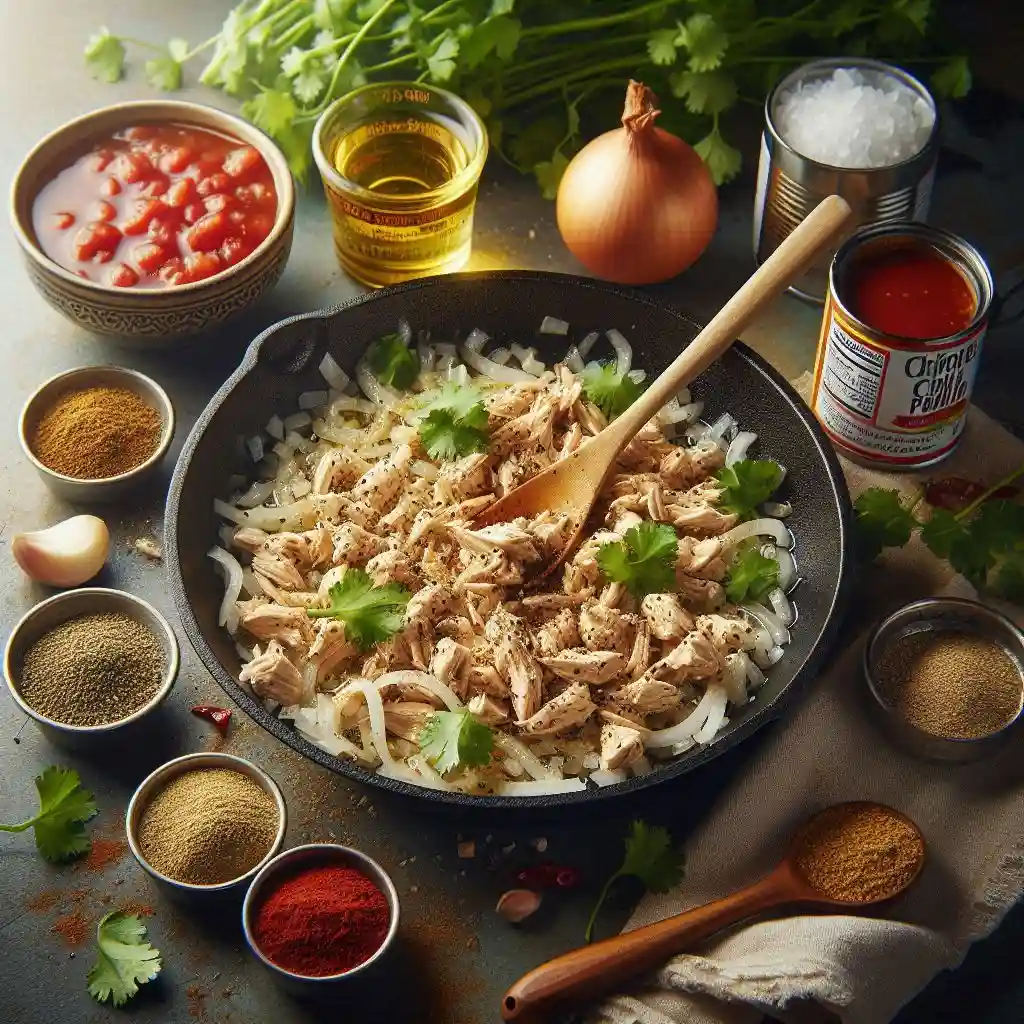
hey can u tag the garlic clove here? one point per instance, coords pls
(64, 555)
(518, 904)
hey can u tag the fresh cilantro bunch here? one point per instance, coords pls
(644, 560)
(650, 857)
(544, 77)
(371, 614)
(124, 959)
(747, 484)
(392, 362)
(455, 424)
(64, 808)
(752, 576)
(611, 393)
(455, 739)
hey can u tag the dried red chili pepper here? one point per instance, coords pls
(548, 876)
(219, 716)
(954, 493)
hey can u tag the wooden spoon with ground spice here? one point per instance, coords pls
(850, 856)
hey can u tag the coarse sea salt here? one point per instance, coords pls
(854, 119)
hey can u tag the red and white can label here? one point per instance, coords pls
(892, 401)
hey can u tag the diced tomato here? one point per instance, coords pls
(202, 265)
(173, 271)
(181, 193)
(111, 187)
(145, 210)
(208, 232)
(214, 183)
(234, 250)
(218, 202)
(95, 237)
(133, 167)
(62, 221)
(237, 217)
(100, 159)
(156, 186)
(122, 276)
(242, 161)
(104, 211)
(164, 231)
(141, 133)
(256, 194)
(256, 227)
(193, 212)
(175, 160)
(149, 257)
(103, 256)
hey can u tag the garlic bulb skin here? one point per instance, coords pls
(66, 554)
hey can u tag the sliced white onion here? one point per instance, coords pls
(431, 776)
(682, 414)
(275, 428)
(552, 325)
(638, 376)
(297, 421)
(404, 332)
(697, 432)
(588, 343)
(757, 528)
(301, 487)
(739, 446)
(489, 368)
(312, 399)
(720, 428)
(775, 655)
(375, 710)
(425, 681)
(446, 348)
(623, 352)
(244, 653)
(272, 520)
(501, 356)
(331, 372)
(346, 403)
(683, 396)
(528, 359)
(259, 492)
(734, 677)
(573, 360)
(755, 677)
(777, 509)
(541, 787)
(446, 362)
(296, 442)
(372, 388)
(608, 776)
(348, 436)
(459, 374)
(716, 715)
(427, 470)
(771, 622)
(255, 446)
(519, 751)
(427, 355)
(781, 606)
(787, 570)
(250, 585)
(688, 727)
(475, 340)
(227, 536)
(228, 614)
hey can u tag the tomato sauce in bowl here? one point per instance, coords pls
(155, 206)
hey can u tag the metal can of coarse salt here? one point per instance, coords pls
(891, 401)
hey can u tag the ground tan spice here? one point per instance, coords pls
(859, 852)
(950, 684)
(208, 826)
(96, 433)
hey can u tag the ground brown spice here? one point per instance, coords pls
(44, 901)
(96, 433)
(102, 853)
(859, 852)
(950, 684)
(73, 928)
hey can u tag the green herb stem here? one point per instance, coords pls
(142, 43)
(964, 513)
(574, 78)
(588, 24)
(523, 67)
(589, 933)
(23, 827)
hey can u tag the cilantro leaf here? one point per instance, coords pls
(456, 424)
(310, 84)
(661, 46)
(953, 79)
(722, 159)
(455, 739)
(751, 575)
(651, 858)
(124, 959)
(644, 560)
(104, 56)
(64, 807)
(441, 59)
(705, 41)
(747, 483)
(549, 173)
(371, 614)
(940, 533)
(164, 73)
(392, 361)
(1009, 578)
(612, 394)
(882, 521)
(705, 92)
(498, 36)
(272, 110)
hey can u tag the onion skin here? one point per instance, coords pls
(637, 205)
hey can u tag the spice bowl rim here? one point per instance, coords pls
(930, 610)
(84, 599)
(315, 853)
(163, 406)
(154, 782)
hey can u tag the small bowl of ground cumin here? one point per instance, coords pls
(946, 677)
(96, 433)
(90, 662)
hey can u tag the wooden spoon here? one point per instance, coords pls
(573, 484)
(586, 973)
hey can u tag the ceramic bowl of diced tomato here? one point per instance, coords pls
(150, 221)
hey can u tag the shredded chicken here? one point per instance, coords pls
(272, 675)
(567, 710)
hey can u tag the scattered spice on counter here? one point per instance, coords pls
(950, 684)
(220, 717)
(103, 853)
(96, 433)
(73, 928)
(322, 920)
(44, 901)
(208, 826)
(858, 852)
(92, 670)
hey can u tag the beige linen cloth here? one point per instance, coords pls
(860, 969)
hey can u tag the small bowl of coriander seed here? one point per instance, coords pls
(945, 677)
(88, 663)
(96, 433)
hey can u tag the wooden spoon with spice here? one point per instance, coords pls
(850, 857)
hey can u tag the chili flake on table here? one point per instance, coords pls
(155, 206)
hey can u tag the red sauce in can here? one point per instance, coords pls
(911, 292)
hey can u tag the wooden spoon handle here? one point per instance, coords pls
(586, 973)
(769, 280)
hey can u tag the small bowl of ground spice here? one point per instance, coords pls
(96, 433)
(320, 915)
(89, 662)
(202, 825)
(946, 677)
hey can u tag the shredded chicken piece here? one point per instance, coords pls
(248, 538)
(289, 626)
(620, 745)
(451, 663)
(509, 538)
(468, 477)
(337, 468)
(272, 675)
(606, 629)
(406, 718)
(486, 679)
(489, 710)
(331, 649)
(666, 617)
(569, 709)
(355, 546)
(278, 571)
(640, 656)
(380, 484)
(514, 661)
(646, 696)
(593, 667)
(696, 657)
(424, 609)
(557, 634)
(727, 634)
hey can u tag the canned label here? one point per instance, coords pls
(897, 402)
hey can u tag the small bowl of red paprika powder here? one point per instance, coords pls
(320, 914)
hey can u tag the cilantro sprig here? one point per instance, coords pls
(124, 959)
(64, 808)
(455, 424)
(752, 576)
(392, 361)
(644, 560)
(746, 484)
(611, 393)
(371, 614)
(455, 739)
(651, 858)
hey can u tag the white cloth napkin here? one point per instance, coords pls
(861, 970)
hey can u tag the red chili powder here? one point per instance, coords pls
(72, 928)
(102, 853)
(324, 920)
